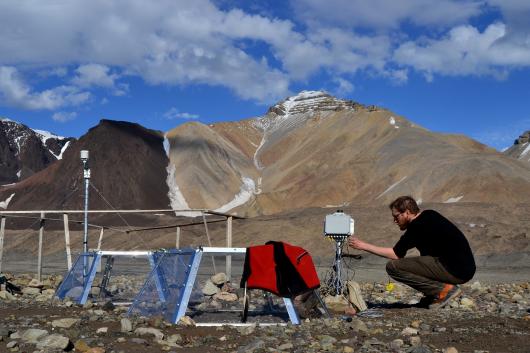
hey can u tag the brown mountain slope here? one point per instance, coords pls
(314, 150)
(127, 163)
(24, 151)
(208, 165)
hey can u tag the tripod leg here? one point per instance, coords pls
(244, 315)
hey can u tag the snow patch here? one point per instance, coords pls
(391, 187)
(166, 145)
(177, 200)
(44, 135)
(526, 150)
(245, 193)
(3, 204)
(60, 155)
(338, 206)
(454, 199)
(472, 225)
(256, 161)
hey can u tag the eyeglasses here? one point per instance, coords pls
(396, 215)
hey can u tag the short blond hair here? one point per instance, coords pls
(404, 203)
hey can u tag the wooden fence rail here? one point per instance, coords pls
(41, 215)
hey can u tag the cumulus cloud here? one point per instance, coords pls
(177, 42)
(167, 42)
(344, 87)
(15, 92)
(97, 75)
(174, 113)
(465, 51)
(64, 116)
(386, 14)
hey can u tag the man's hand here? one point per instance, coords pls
(356, 243)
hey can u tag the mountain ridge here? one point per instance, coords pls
(308, 150)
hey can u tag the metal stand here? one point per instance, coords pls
(337, 265)
(86, 176)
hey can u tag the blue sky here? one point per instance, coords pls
(450, 66)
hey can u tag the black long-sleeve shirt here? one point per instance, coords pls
(434, 235)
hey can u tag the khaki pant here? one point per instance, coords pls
(423, 273)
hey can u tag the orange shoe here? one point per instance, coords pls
(448, 293)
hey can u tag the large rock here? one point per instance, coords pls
(337, 303)
(225, 296)
(30, 291)
(74, 292)
(218, 279)
(4, 295)
(65, 322)
(149, 331)
(35, 283)
(54, 342)
(126, 325)
(186, 321)
(33, 335)
(210, 288)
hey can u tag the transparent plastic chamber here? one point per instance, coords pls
(169, 284)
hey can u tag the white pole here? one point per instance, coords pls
(2, 232)
(209, 240)
(67, 241)
(229, 245)
(178, 238)
(39, 260)
(100, 239)
(86, 176)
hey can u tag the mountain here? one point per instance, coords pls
(24, 151)
(314, 150)
(309, 150)
(520, 148)
(128, 171)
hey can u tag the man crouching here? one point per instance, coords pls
(445, 259)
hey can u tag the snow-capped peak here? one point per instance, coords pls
(307, 101)
(44, 135)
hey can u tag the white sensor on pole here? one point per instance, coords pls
(84, 155)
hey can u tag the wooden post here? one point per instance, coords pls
(209, 241)
(39, 259)
(2, 232)
(100, 239)
(229, 245)
(67, 241)
(178, 238)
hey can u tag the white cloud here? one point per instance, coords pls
(344, 87)
(64, 116)
(14, 91)
(465, 51)
(173, 113)
(386, 14)
(164, 42)
(96, 75)
(178, 42)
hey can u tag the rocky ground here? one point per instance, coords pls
(487, 318)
